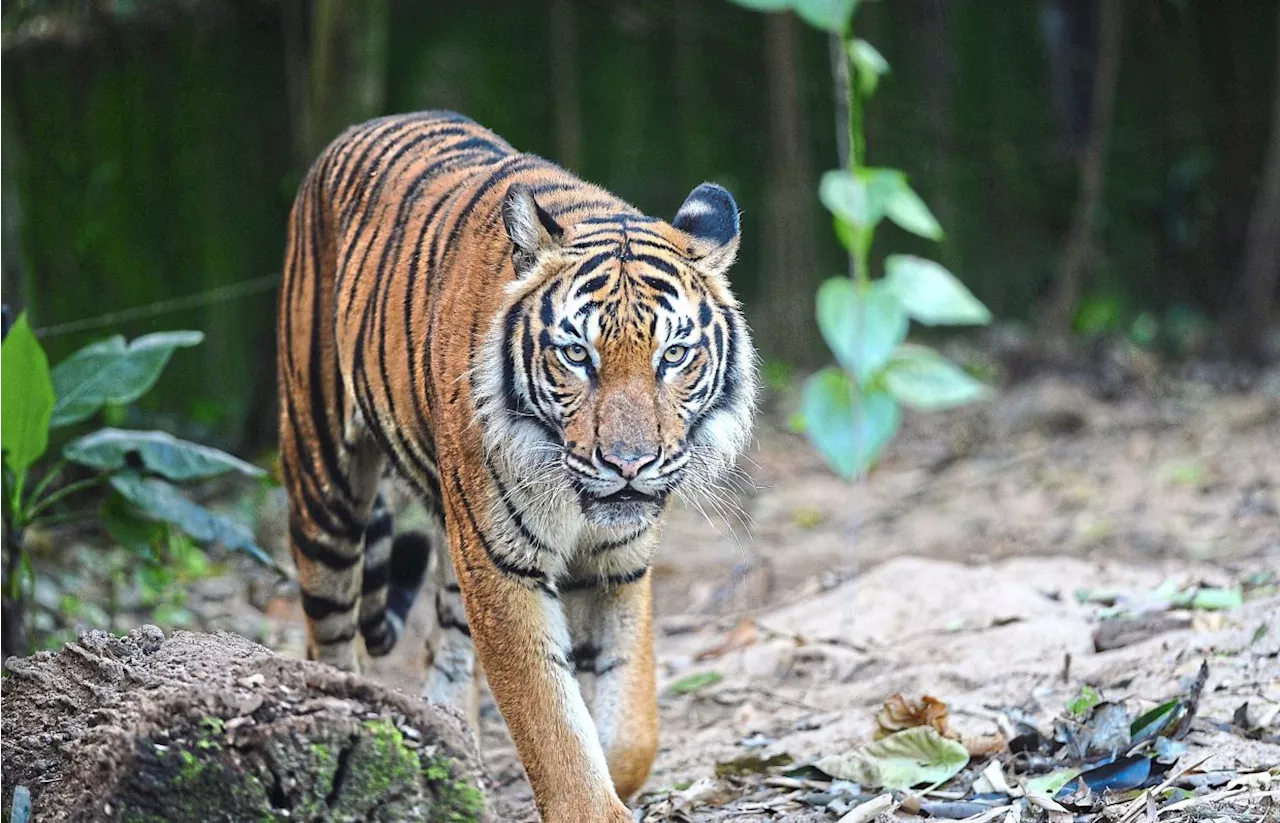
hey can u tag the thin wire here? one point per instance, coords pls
(220, 294)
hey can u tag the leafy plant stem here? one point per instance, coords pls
(52, 475)
(65, 491)
(857, 156)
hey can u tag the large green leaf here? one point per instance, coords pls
(870, 65)
(113, 449)
(900, 761)
(848, 427)
(931, 294)
(862, 325)
(764, 5)
(28, 398)
(921, 378)
(905, 208)
(828, 15)
(110, 371)
(159, 500)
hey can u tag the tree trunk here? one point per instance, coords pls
(787, 298)
(1261, 272)
(1079, 254)
(336, 67)
(212, 727)
(566, 99)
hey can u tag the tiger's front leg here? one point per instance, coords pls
(613, 652)
(518, 625)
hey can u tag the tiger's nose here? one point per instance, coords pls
(628, 461)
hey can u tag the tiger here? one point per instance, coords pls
(544, 367)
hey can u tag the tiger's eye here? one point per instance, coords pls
(576, 353)
(675, 354)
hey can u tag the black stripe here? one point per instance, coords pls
(609, 581)
(500, 563)
(318, 607)
(621, 541)
(318, 552)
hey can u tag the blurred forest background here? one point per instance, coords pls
(152, 148)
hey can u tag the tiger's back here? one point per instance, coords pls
(544, 366)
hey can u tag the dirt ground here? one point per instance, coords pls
(952, 570)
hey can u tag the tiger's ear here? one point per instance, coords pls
(530, 227)
(709, 217)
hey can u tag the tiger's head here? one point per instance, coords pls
(621, 370)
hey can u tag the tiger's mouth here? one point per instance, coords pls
(626, 495)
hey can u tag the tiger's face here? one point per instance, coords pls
(627, 372)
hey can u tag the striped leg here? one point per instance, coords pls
(452, 678)
(613, 655)
(327, 547)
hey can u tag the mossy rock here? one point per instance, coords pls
(199, 727)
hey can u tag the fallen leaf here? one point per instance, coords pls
(751, 764)
(1047, 785)
(899, 713)
(695, 682)
(984, 745)
(742, 635)
(900, 761)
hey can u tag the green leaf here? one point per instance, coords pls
(695, 682)
(764, 5)
(905, 208)
(932, 295)
(28, 398)
(158, 500)
(1086, 700)
(111, 372)
(828, 15)
(862, 326)
(1154, 722)
(1047, 785)
(870, 65)
(1217, 599)
(113, 449)
(848, 428)
(900, 761)
(848, 198)
(921, 378)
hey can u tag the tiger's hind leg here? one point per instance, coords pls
(328, 517)
(452, 677)
(393, 570)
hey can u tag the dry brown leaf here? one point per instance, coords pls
(899, 713)
(742, 635)
(984, 744)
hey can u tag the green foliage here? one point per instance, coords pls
(919, 377)
(110, 372)
(28, 400)
(111, 450)
(862, 324)
(851, 412)
(932, 295)
(146, 514)
(848, 426)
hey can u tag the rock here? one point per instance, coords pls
(213, 727)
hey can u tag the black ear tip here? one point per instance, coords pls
(709, 213)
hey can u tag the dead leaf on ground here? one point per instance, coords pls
(900, 713)
(741, 636)
(983, 745)
(750, 764)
